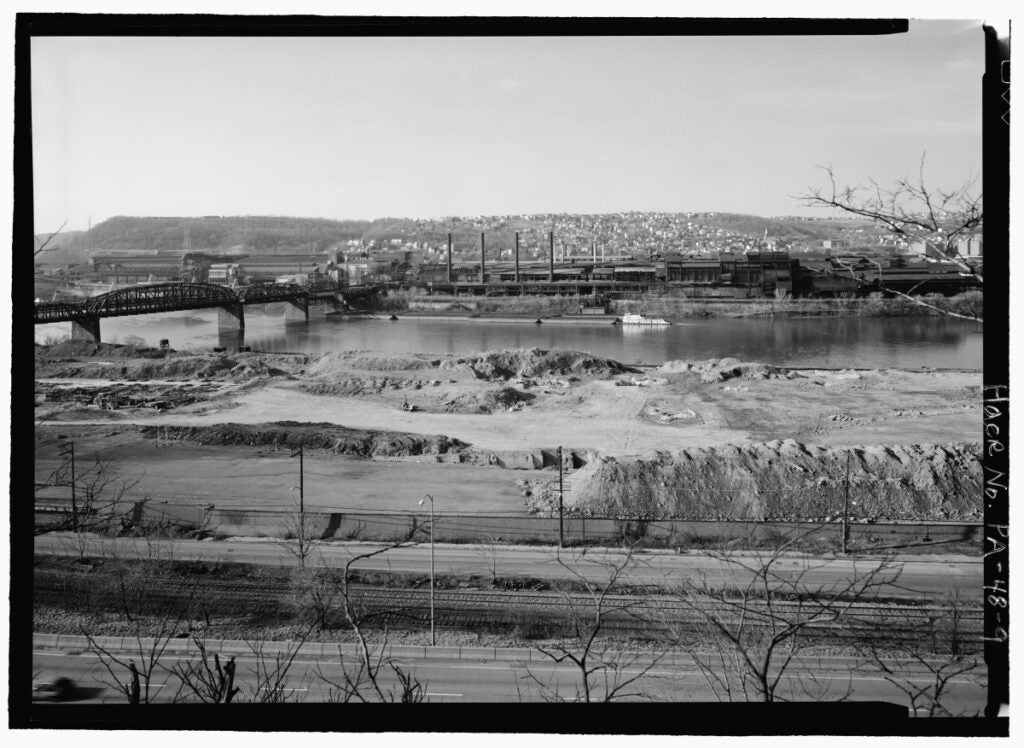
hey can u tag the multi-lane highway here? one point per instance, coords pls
(472, 674)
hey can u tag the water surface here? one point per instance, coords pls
(834, 342)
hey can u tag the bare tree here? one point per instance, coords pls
(364, 682)
(914, 210)
(154, 612)
(206, 680)
(748, 634)
(300, 535)
(50, 238)
(98, 491)
(318, 596)
(489, 550)
(272, 669)
(910, 208)
(604, 674)
(926, 665)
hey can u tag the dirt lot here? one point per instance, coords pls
(511, 400)
(246, 477)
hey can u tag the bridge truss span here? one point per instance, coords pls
(162, 297)
(268, 293)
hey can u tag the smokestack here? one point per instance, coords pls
(517, 257)
(449, 258)
(563, 253)
(593, 248)
(551, 258)
(482, 257)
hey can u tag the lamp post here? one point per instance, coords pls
(428, 497)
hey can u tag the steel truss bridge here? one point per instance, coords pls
(172, 297)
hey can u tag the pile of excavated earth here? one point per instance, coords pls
(714, 439)
(779, 480)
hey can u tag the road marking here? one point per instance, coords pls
(426, 664)
(442, 694)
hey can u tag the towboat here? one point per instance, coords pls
(642, 319)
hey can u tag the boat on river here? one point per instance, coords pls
(643, 319)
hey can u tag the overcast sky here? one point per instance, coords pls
(365, 128)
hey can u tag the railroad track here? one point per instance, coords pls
(531, 612)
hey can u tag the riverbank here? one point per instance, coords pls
(419, 303)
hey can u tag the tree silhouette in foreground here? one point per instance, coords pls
(914, 210)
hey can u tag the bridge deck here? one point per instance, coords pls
(170, 297)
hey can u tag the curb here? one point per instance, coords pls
(313, 649)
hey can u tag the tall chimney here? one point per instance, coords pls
(517, 257)
(481, 256)
(449, 258)
(593, 248)
(551, 258)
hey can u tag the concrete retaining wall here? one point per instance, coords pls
(521, 529)
(456, 528)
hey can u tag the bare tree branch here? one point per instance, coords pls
(42, 247)
(911, 210)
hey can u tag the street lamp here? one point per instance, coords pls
(430, 498)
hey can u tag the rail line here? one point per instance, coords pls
(535, 612)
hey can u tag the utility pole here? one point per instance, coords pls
(561, 511)
(68, 450)
(302, 498)
(846, 503)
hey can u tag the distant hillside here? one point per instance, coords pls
(61, 249)
(792, 228)
(263, 234)
(282, 234)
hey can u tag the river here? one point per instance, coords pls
(828, 342)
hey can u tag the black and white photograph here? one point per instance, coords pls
(502, 366)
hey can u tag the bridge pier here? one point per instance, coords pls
(296, 311)
(231, 318)
(231, 339)
(86, 328)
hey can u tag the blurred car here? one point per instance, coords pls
(54, 690)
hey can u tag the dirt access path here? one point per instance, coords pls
(828, 408)
(607, 420)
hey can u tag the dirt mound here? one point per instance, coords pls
(489, 401)
(289, 434)
(330, 364)
(350, 386)
(784, 480)
(532, 363)
(85, 349)
(241, 368)
(722, 370)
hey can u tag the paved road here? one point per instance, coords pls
(472, 675)
(924, 578)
